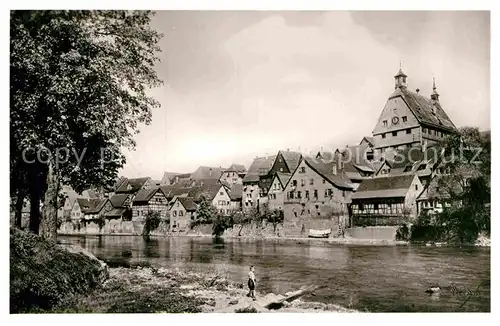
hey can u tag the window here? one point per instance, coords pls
(302, 182)
(311, 182)
(416, 187)
(307, 194)
(281, 169)
(221, 193)
(343, 193)
(299, 194)
(408, 131)
(424, 130)
(181, 213)
(394, 133)
(405, 119)
(330, 192)
(315, 193)
(369, 156)
(326, 193)
(294, 183)
(383, 135)
(174, 214)
(324, 181)
(385, 123)
(375, 206)
(291, 194)
(302, 169)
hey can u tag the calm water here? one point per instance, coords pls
(375, 278)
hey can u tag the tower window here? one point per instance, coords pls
(405, 119)
(394, 133)
(408, 131)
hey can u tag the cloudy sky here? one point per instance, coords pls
(242, 84)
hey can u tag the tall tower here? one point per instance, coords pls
(400, 78)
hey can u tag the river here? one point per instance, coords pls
(367, 278)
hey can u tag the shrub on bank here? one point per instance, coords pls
(42, 272)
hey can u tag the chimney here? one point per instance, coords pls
(417, 90)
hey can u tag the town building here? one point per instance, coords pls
(181, 213)
(388, 200)
(316, 197)
(410, 119)
(149, 200)
(233, 175)
(257, 181)
(121, 207)
(276, 193)
(96, 209)
(260, 167)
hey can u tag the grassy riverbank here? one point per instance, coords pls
(148, 290)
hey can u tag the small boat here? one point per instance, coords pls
(319, 233)
(434, 289)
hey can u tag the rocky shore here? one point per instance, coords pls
(149, 290)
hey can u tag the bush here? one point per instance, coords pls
(403, 233)
(221, 223)
(152, 222)
(43, 273)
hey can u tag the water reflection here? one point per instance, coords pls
(375, 278)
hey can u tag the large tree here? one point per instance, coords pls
(465, 182)
(78, 92)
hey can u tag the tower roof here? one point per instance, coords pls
(434, 91)
(400, 73)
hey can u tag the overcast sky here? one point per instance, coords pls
(242, 84)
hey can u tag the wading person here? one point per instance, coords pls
(251, 283)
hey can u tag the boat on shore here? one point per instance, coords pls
(319, 233)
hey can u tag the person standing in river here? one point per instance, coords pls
(251, 283)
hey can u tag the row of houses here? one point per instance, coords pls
(389, 176)
(176, 197)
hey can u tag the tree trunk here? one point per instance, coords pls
(48, 227)
(34, 210)
(18, 218)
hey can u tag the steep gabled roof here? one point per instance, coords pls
(188, 203)
(339, 180)
(368, 139)
(116, 212)
(382, 187)
(239, 168)
(145, 195)
(84, 204)
(135, 185)
(167, 177)
(207, 172)
(260, 166)
(118, 200)
(95, 205)
(422, 108)
(292, 159)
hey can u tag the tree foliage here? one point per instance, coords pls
(79, 85)
(206, 212)
(153, 220)
(466, 184)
